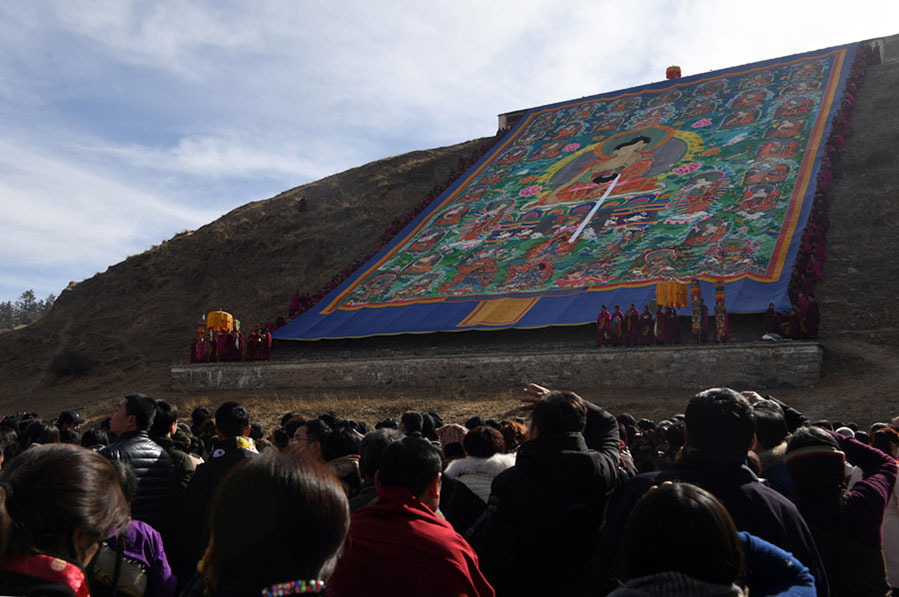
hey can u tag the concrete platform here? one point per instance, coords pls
(762, 365)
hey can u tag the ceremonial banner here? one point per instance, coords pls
(596, 200)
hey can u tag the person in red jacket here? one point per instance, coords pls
(398, 546)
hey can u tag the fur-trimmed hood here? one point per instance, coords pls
(773, 457)
(479, 466)
(477, 473)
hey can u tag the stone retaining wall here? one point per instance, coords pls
(757, 365)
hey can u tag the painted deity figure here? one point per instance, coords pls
(699, 194)
(490, 220)
(633, 159)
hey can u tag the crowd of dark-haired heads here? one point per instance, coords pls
(250, 509)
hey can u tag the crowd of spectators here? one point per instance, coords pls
(739, 493)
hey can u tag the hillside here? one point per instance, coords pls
(137, 318)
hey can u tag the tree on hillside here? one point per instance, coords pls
(27, 309)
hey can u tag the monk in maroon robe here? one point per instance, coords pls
(795, 325)
(672, 326)
(265, 351)
(772, 320)
(211, 348)
(631, 326)
(221, 346)
(617, 326)
(294, 309)
(812, 317)
(661, 326)
(647, 336)
(193, 351)
(603, 327)
(252, 347)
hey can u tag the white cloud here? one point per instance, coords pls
(56, 213)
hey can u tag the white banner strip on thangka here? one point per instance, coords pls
(593, 211)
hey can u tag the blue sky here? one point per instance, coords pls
(123, 123)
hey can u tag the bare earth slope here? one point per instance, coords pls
(137, 318)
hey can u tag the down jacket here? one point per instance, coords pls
(155, 472)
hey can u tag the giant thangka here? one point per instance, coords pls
(594, 201)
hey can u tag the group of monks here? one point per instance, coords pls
(217, 345)
(636, 329)
(800, 323)
(633, 328)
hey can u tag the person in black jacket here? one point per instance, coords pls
(546, 510)
(164, 427)
(152, 466)
(189, 533)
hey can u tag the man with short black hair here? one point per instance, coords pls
(370, 450)
(412, 423)
(190, 531)
(164, 427)
(308, 437)
(771, 445)
(152, 466)
(720, 427)
(544, 512)
(398, 545)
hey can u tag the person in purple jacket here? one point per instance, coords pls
(133, 559)
(845, 524)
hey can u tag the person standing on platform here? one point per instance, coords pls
(632, 326)
(617, 326)
(661, 326)
(672, 326)
(294, 309)
(647, 336)
(265, 345)
(811, 317)
(603, 327)
(772, 320)
(795, 324)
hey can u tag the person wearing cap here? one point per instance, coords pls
(69, 419)
(846, 523)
